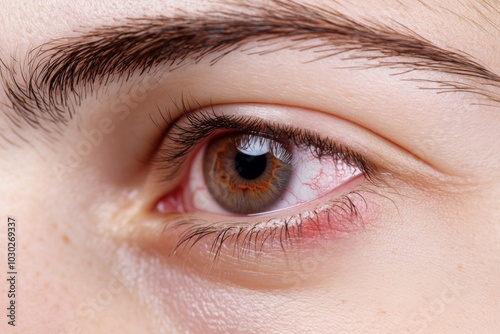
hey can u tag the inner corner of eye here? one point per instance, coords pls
(236, 174)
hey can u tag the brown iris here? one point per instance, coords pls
(246, 174)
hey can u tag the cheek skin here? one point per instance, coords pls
(66, 282)
(326, 287)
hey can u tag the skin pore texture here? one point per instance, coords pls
(409, 92)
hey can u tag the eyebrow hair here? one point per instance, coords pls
(39, 92)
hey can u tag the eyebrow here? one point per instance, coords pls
(39, 92)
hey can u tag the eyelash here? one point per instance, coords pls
(200, 124)
(244, 237)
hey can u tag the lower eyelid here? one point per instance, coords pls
(257, 257)
(329, 216)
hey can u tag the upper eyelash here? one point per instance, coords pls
(202, 124)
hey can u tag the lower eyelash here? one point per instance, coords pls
(338, 216)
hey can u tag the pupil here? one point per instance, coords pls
(250, 167)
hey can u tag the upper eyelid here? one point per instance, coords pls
(201, 124)
(58, 67)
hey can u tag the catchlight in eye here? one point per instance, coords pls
(247, 174)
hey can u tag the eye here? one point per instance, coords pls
(244, 174)
(250, 174)
(244, 180)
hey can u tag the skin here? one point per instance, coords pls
(89, 255)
